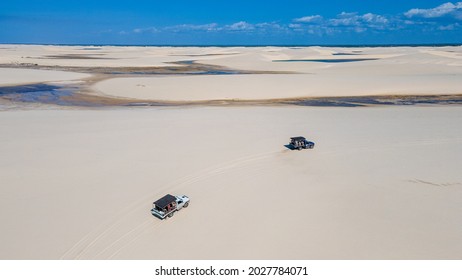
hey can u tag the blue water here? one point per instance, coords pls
(40, 93)
(340, 60)
(52, 94)
(346, 53)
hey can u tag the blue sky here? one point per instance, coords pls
(237, 22)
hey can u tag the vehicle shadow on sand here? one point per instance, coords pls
(290, 147)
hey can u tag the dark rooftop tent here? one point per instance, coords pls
(164, 201)
(298, 138)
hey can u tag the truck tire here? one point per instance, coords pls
(186, 204)
(170, 214)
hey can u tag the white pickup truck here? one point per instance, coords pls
(167, 205)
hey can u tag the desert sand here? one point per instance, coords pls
(283, 73)
(383, 182)
(381, 71)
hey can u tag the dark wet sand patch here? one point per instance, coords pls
(359, 101)
(76, 56)
(207, 54)
(62, 95)
(74, 95)
(387, 100)
(346, 54)
(340, 60)
(82, 94)
(178, 68)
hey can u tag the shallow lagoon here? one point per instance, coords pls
(336, 60)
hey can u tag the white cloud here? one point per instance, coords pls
(268, 25)
(373, 18)
(343, 22)
(446, 9)
(271, 27)
(449, 27)
(368, 20)
(146, 30)
(345, 19)
(193, 27)
(240, 26)
(295, 26)
(359, 23)
(444, 18)
(309, 19)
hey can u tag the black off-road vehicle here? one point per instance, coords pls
(299, 142)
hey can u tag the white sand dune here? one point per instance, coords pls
(386, 71)
(10, 77)
(278, 86)
(107, 56)
(381, 183)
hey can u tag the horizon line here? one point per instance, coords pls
(243, 45)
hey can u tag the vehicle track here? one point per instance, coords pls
(142, 229)
(84, 248)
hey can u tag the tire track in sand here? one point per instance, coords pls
(86, 247)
